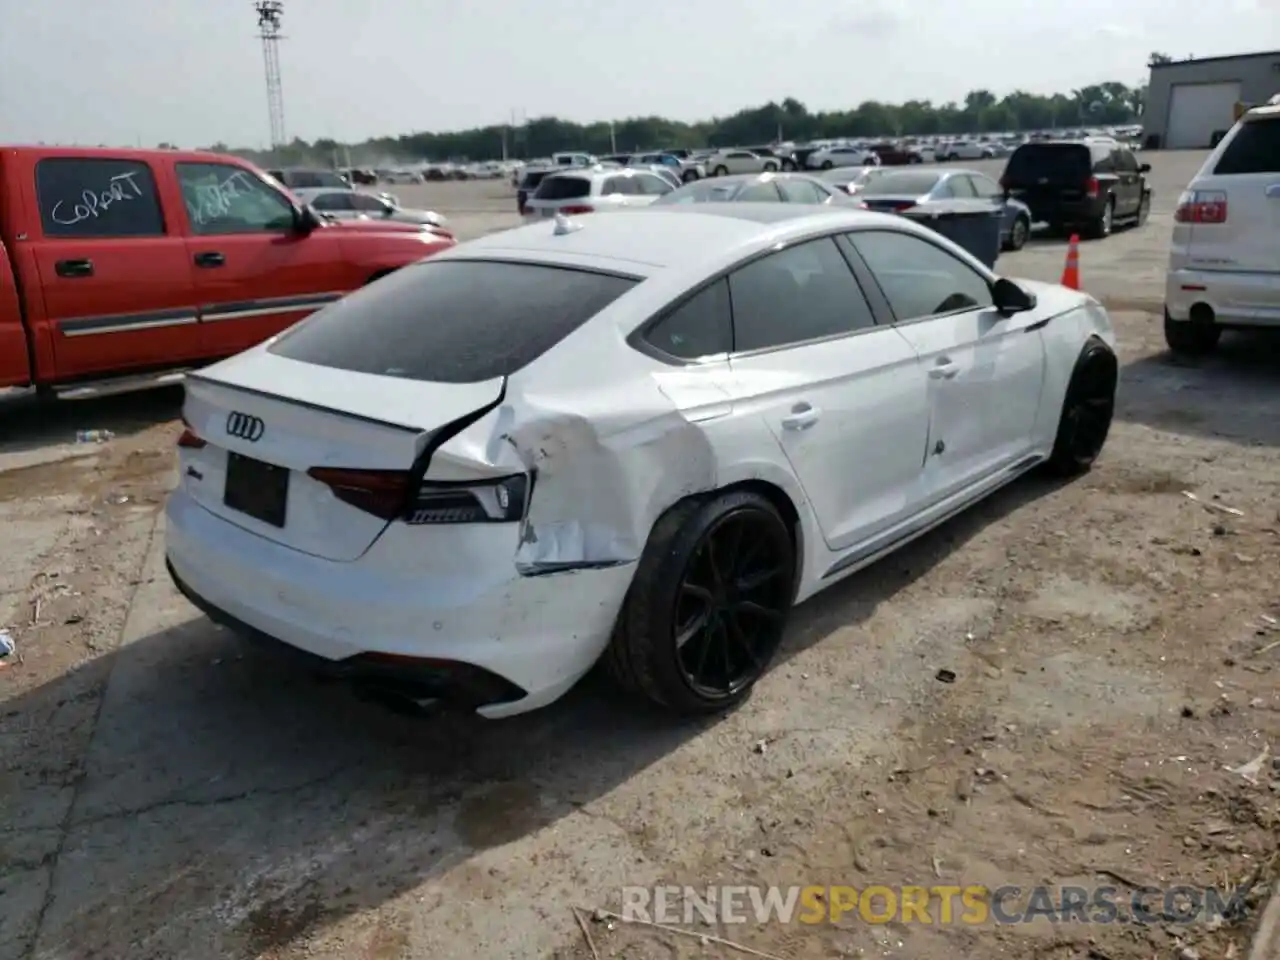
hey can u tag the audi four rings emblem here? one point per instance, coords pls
(245, 427)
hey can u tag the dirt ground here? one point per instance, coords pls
(1115, 646)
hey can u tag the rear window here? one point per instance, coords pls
(1057, 162)
(1254, 149)
(563, 188)
(912, 184)
(452, 321)
(531, 180)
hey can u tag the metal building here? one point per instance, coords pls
(1191, 102)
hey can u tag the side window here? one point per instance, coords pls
(651, 186)
(798, 294)
(221, 198)
(98, 198)
(988, 189)
(333, 201)
(700, 327)
(1126, 161)
(366, 203)
(759, 193)
(918, 279)
(626, 186)
(1104, 162)
(800, 191)
(962, 187)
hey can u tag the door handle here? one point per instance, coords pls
(944, 370)
(209, 259)
(74, 268)
(802, 417)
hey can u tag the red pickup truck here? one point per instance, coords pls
(120, 267)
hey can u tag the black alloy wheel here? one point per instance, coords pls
(708, 604)
(732, 603)
(1087, 411)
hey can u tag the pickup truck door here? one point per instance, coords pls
(112, 267)
(255, 273)
(15, 366)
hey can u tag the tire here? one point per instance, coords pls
(770, 167)
(1102, 226)
(789, 166)
(1188, 339)
(689, 176)
(1144, 210)
(914, 158)
(720, 171)
(668, 594)
(1087, 411)
(1018, 234)
(827, 164)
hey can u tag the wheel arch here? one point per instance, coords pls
(781, 491)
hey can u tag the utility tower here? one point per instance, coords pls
(269, 14)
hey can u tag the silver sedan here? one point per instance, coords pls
(351, 205)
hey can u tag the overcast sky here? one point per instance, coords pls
(190, 71)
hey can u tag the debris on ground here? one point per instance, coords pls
(94, 436)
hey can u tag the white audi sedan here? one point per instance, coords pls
(641, 438)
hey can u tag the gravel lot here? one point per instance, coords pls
(169, 794)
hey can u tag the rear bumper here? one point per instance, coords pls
(1236, 299)
(1061, 211)
(512, 645)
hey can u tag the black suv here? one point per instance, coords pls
(1089, 184)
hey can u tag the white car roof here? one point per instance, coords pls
(647, 240)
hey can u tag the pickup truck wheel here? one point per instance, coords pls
(1186, 338)
(1102, 225)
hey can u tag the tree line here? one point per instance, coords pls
(981, 111)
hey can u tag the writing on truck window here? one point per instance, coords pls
(97, 197)
(214, 199)
(224, 199)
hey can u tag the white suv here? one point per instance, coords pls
(595, 189)
(1224, 262)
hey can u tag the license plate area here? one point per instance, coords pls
(256, 489)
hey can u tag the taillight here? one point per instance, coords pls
(578, 208)
(388, 494)
(190, 440)
(1093, 188)
(1201, 206)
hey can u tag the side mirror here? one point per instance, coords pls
(306, 219)
(1144, 168)
(1009, 298)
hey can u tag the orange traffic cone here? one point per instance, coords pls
(1071, 271)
